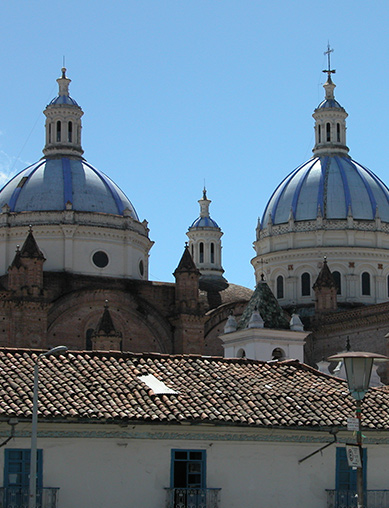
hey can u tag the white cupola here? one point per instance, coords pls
(206, 248)
(63, 122)
(330, 121)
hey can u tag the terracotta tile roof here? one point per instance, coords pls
(94, 386)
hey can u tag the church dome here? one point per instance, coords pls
(330, 206)
(204, 222)
(53, 183)
(63, 179)
(82, 221)
(331, 186)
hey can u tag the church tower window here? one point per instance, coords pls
(201, 252)
(88, 339)
(49, 132)
(70, 131)
(305, 284)
(338, 132)
(338, 282)
(280, 286)
(319, 133)
(58, 131)
(366, 290)
(212, 253)
(328, 129)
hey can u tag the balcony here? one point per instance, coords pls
(192, 498)
(348, 499)
(17, 497)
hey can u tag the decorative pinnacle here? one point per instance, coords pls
(63, 70)
(204, 193)
(329, 71)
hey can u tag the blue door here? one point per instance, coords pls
(17, 477)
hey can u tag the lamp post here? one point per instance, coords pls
(358, 367)
(34, 428)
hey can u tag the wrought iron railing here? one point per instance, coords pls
(17, 497)
(348, 499)
(193, 498)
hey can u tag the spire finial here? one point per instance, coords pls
(204, 192)
(105, 304)
(329, 71)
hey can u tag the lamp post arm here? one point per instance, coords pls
(358, 414)
(34, 429)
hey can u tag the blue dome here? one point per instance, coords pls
(63, 99)
(333, 185)
(204, 222)
(50, 183)
(329, 103)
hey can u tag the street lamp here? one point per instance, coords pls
(34, 428)
(358, 367)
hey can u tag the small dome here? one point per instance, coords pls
(63, 99)
(329, 103)
(331, 186)
(51, 183)
(204, 222)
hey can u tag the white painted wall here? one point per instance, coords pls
(129, 467)
(69, 239)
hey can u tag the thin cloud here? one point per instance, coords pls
(7, 167)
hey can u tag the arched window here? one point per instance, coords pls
(338, 282)
(201, 252)
(88, 341)
(305, 284)
(278, 354)
(280, 286)
(212, 252)
(319, 133)
(49, 132)
(241, 353)
(328, 129)
(366, 290)
(70, 132)
(338, 132)
(58, 131)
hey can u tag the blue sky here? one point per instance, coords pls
(179, 92)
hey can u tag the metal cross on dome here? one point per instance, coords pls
(329, 71)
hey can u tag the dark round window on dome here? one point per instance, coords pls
(141, 268)
(100, 259)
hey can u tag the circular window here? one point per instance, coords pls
(141, 268)
(100, 259)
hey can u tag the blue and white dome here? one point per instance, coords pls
(204, 222)
(330, 206)
(63, 179)
(334, 187)
(82, 221)
(52, 183)
(331, 184)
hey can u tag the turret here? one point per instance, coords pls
(206, 249)
(325, 290)
(63, 122)
(105, 337)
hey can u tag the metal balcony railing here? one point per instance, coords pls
(17, 497)
(193, 498)
(348, 499)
